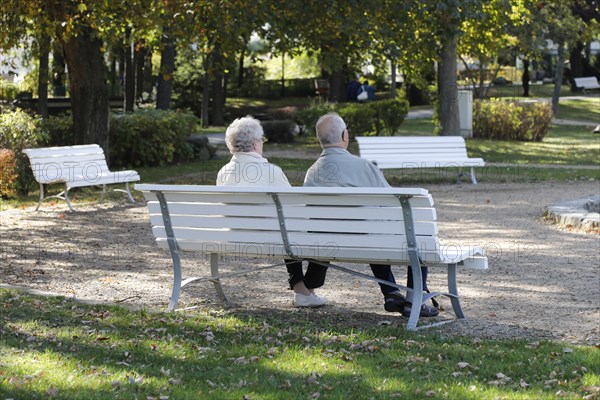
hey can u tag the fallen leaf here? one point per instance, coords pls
(462, 365)
(312, 378)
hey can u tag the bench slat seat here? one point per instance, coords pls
(75, 166)
(402, 152)
(338, 225)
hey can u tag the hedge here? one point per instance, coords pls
(511, 120)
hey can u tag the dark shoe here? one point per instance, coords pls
(394, 303)
(426, 311)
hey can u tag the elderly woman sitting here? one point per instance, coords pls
(247, 167)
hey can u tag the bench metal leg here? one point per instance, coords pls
(127, 191)
(41, 196)
(459, 177)
(64, 195)
(453, 289)
(176, 279)
(415, 296)
(473, 179)
(103, 194)
(67, 198)
(214, 273)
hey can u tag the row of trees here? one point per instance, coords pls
(343, 33)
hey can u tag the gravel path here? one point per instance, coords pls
(543, 280)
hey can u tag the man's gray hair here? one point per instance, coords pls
(330, 128)
(241, 133)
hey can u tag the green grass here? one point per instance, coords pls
(587, 109)
(57, 348)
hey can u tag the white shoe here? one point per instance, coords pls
(312, 300)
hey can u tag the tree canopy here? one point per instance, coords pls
(345, 35)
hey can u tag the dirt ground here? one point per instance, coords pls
(543, 280)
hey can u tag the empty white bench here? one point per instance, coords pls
(347, 225)
(399, 152)
(75, 166)
(587, 83)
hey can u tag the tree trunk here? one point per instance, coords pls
(576, 64)
(44, 71)
(129, 97)
(240, 77)
(560, 67)
(148, 82)
(204, 108)
(337, 86)
(525, 78)
(393, 85)
(165, 75)
(58, 71)
(447, 89)
(89, 93)
(113, 76)
(217, 100)
(139, 57)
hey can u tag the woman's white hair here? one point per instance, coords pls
(241, 133)
(330, 128)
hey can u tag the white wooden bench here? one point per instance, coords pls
(75, 166)
(347, 225)
(401, 152)
(587, 83)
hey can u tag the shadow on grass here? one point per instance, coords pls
(53, 347)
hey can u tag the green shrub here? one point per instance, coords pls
(511, 120)
(59, 130)
(389, 115)
(8, 90)
(307, 117)
(150, 138)
(360, 118)
(18, 131)
(8, 173)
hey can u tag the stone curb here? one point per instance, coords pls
(581, 213)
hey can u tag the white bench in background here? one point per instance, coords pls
(587, 83)
(75, 166)
(338, 225)
(400, 152)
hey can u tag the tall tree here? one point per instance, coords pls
(564, 28)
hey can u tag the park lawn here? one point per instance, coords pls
(584, 109)
(52, 347)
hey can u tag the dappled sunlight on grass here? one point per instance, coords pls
(585, 109)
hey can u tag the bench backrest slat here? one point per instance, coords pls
(411, 147)
(292, 224)
(268, 210)
(587, 82)
(67, 163)
(331, 220)
(416, 152)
